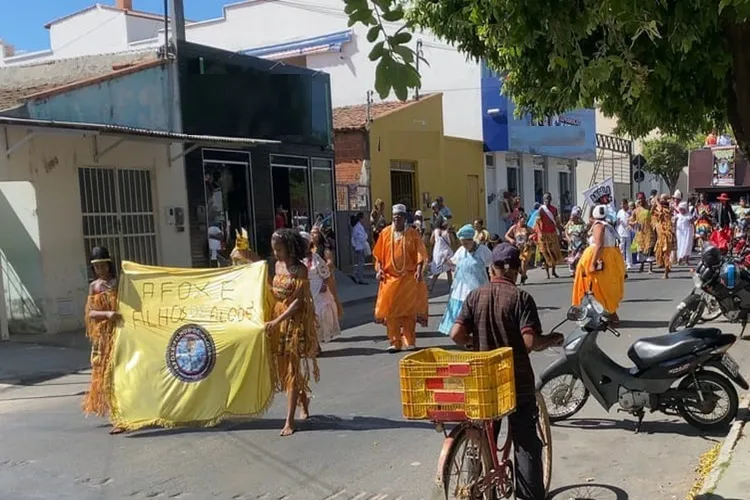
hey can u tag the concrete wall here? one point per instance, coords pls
(138, 99)
(49, 161)
(95, 31)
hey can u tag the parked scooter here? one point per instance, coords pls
(686, 374)
(721, 286)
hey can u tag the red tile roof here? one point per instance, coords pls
(355, 117)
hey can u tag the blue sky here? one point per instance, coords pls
(22, 21)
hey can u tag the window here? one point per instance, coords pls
(291, 192)
(512, 180)
(489, 161)
(539, 186)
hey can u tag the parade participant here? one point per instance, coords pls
(662, 221)
(419, 223)
(322, 247)
(471, 261)
(441, 254)
(726, 219)
(242, 253)
(377, 219)
(684, 232)
(601, 269)
(326, 313)
(519, 235)
(494, 241)
(400, 256)
(547, 226)
(704, 221)
(623, 233)
(101, 317)
(292, 325)
(645, 237)
(482, 236)
(501, 315)
(575, 233)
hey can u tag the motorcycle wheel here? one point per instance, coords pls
(683, 318)
(564, 396)
(712, 310)
(715, 389)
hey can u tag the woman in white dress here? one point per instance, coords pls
(685, 233)
(326, 312)
(441, 254)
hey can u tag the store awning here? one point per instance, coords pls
(123, 133)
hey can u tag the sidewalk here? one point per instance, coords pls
(728, 478)
(28, 360)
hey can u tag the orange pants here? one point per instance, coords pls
(402, 331)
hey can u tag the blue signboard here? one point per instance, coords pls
(569, 135)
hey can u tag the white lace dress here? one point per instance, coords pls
(326, 312)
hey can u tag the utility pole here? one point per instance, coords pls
(178, 21)
(418, 55)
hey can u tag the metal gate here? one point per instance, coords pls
(117, 208)
(403, 189)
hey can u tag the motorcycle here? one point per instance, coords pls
(688, 374)
(721, 285)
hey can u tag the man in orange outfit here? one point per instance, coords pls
(400, 256)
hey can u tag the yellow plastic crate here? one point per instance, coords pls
(452, 386)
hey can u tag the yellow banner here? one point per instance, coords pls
(190, 349)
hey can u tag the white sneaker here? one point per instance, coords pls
(393, 348)
(411, 348)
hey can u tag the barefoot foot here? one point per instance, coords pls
(116, 430)
(288, 430)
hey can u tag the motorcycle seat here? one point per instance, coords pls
(651, 351)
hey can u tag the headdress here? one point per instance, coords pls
(240, 253)
(242, 242)
(466, 232)
(399, 209)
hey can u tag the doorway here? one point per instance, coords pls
(291, 192)
(226, 186)
(403, 183)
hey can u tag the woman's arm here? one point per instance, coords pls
(294, 305)
(510, 235)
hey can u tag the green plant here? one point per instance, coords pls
(673, 65)
(666, 157)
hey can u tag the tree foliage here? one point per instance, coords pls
(666, 157)
(673, 65)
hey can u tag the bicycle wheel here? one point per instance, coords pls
(544, 430)
(466, 464)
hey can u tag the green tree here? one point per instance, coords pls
(666, 157)
(673, 65)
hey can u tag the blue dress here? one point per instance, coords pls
(470, 274)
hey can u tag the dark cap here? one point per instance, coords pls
(506, 254)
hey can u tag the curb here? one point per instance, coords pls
(726, 450)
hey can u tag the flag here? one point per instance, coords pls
(190, 349)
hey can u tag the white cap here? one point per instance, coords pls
(399, 209)
(677, 194)
(418, 213)
(599, 212)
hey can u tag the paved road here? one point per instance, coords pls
(356, 446)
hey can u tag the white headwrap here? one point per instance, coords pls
(677, 194)
(305, 235)
(599, 212)
(399, 209)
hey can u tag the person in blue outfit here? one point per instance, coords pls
(471, 262)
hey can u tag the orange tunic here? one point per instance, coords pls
(400, 294)
(101, 334)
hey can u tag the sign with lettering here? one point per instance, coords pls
(191, 346)
(604, 188)
(723, 168)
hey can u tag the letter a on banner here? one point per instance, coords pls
(604, 188)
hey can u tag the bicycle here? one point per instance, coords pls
(490, 475)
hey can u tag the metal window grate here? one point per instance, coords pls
(403, 166)
(117, 209)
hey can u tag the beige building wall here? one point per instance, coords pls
(49, 161)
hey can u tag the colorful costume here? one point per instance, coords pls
(549, 241)
(471, 273)
(295, 343)
(645, 238)
(665, 240)
(402, 299)
(241, 252)
(326, 311)
(608, 284)
(100, 332)
(576, 233)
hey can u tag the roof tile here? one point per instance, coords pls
(355, 117)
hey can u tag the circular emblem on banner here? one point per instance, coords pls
(191, 353)
(723, 167)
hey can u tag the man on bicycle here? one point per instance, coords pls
(501, 315)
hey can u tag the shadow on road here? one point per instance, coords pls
(589, 491)
(381, 337)
(647, 300)
(648, 427)
(645, 324)
(320, 423)
(351, 351)
(711, 496)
